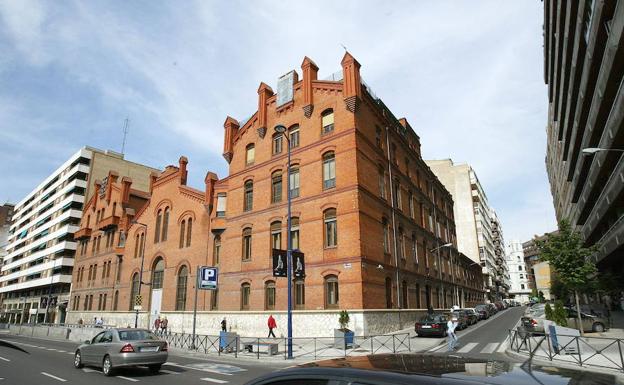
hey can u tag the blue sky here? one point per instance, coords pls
(467, 75)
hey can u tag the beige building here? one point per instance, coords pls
(543, 278)
(479, 233)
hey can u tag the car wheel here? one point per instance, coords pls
(78, 360)
(598, 327)
(107, 366)
(154, 368)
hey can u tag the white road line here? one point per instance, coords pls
(72, 353)
(127, 378)
(469, 346)
(168, 371)
(88, 370)
(55, 377)
(52, 349)
(62, 351)
(5, 359)
(489, 348)
(503, 346)
(213, 380)
(200, 369)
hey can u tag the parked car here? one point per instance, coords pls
(462, 319)
(115, 348)
(483, 310)
(432, 325)
(493, 308)
(591, 323)
(473, 317)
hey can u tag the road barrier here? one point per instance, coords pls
(597, 352)
(309, 347)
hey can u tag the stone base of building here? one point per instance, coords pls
(319, 323)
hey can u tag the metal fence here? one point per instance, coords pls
(597, 352)
(309, 347)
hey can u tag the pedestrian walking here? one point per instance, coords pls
(451, 325)
(430, 310)
(223, 325)
(272, 325)
(163, 326)
(157, 325)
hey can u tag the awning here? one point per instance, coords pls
(23, 234)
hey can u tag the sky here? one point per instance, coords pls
(468, 76)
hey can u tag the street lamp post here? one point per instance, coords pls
(136, 310)
(282, 130)
(593, 150)
(437, 249)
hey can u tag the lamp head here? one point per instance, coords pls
(590, 150)
(280, 129)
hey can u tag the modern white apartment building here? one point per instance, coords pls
(41, 247)
(519, 276)
(479, 233)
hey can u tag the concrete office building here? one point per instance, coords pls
(518, 274)
(41, 248)
(479, 233)
(584, 69)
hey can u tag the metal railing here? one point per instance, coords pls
(307, 347)
(598, 352)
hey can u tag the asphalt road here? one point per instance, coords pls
(51, 362)
(487, 339)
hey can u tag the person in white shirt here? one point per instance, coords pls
(451, 325)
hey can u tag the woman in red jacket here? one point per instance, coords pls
(272, 325)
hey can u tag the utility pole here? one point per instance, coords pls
(125, 134)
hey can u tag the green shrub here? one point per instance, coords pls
(548, 312)
(343, 319)
(560, 314)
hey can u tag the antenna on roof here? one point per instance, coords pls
(345, 48)
(125, 132)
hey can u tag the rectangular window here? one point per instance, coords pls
(245, 293)
(294, 182)
(246, 245)
(299, 294)
(331, 232)
(250, 155)
(221, 204)
(276, 239)
(329, 171)
(328, 122)
(276, 188)
(411, 205)
(294, 137)
(415, 250)
(270, 297)
(278, 139)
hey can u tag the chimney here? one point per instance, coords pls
(153, 177)
(183, 172)
(231, 127)
(126, 182)
(264, 93)
(351, 82)
(110, 181)
(310, 73)
(210, 180)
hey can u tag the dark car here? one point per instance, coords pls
(493, 308)
(426, 369)
(431, 325)
(483, 311)
(473, 317)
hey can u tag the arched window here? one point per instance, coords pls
(182, 233)
(134, 291)
(294, 233)
(401, 247)
(327, 120)
(331, 228)
(276, 235)
(414, 249)
(245, 294)
(216, 254)
(142, 244)
(299, 294)
(278, 140)
(276, 187)
(115, 299)
(382, 181)
(269, 295)
(250, 154)
(294, 136)
(246, 255)
(136, 246)
(189, 232)
(329, 170)
(165, 225)
(248, 196)
(157, 230)
(294, 181)
(181, 288)
(331, 292)
(397, 195)
(158, 273)
(388, 293)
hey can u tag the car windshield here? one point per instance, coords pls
(432, 318)
(136, 335)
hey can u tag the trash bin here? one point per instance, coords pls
(227, 341)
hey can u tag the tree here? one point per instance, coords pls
(570, 260)
(558, 289)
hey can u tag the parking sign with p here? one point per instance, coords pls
(207, 278)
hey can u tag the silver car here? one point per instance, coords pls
(115, 348)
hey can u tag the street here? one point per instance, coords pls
(51, 362)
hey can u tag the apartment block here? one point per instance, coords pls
(518, 273)
(41, 248)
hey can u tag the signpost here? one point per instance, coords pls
(207, 278)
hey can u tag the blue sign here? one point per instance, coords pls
(207, 279)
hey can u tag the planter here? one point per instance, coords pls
(228, 342)
(343, 338)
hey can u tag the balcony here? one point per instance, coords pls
(84, 232)
(106, 223)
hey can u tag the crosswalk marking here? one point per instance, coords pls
(214, 380)
(5, 359)
(489, 348)
(469, 346)
(502, 347)
(53, 376)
